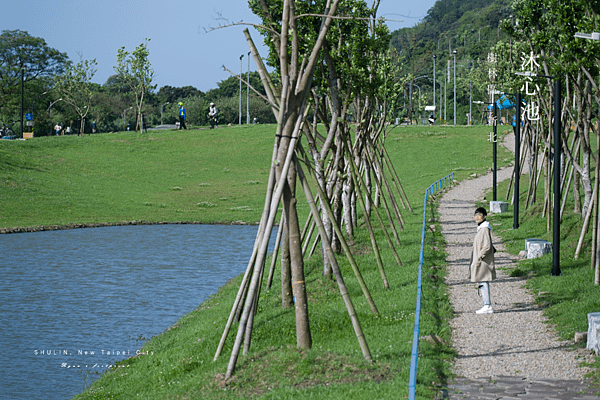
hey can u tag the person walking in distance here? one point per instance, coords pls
(482, 269)
(213, 113)
(182, 116)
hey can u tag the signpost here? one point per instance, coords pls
(29, 118)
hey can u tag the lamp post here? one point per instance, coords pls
(240, 119)
(445, 97)
(125, 112)
(248, 92)
(454, 54)
(557, 171)
(517, 169)
(51, 104)
(22, 79)
(37, 97)
(161, 112)
(470, 101)
(31, 109)
(441, 104)
(434, 84)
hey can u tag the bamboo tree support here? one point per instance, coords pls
(276, 198)
(586, 221)
(369, 226)
(256, 278)
(336, 269)
(250, 324)
(343, 242)
(314, 246)
(313, 225)
(358, 181)
(379, 184)
(237, 304)
(275, 252)
(389, 192)
(307, 231)
(396, 179)
(566, 192)
(595, 198)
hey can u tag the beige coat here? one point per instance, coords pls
(483, 268)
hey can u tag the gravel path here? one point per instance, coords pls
(514, 341)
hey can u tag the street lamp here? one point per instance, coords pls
(37, 97)
(161, 112)
(557, 172)
(445, 95)
(434, 84)
(248, 92)
(22, 80)
(31, 109)
(124, 112)
(51, 104)
(240, 120)
(470, 101)
(454, 53)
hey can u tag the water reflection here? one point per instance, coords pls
(65, 293)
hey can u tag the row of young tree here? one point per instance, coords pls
(333, 60)
(56, 90)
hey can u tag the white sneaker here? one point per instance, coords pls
(487, 309)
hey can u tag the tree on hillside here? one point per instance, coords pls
(74, 87)
(135, 70)
(20, 51)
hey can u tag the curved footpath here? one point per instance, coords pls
(512, 353)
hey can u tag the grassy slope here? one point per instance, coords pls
(200, 175)
(211, 176)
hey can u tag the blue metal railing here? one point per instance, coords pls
(412, 378)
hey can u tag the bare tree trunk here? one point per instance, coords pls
(303, 335)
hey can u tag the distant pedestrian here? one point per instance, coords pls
(182, 116)
(432, 119)
(57, 129)
(213, 115)
(94, 127)
(482, 269)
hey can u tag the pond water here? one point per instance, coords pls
(73, 302)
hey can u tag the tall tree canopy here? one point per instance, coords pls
(20, 51)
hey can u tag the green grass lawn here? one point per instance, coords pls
(201, 175)
(220, 175)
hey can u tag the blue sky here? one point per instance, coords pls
(180, 53)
